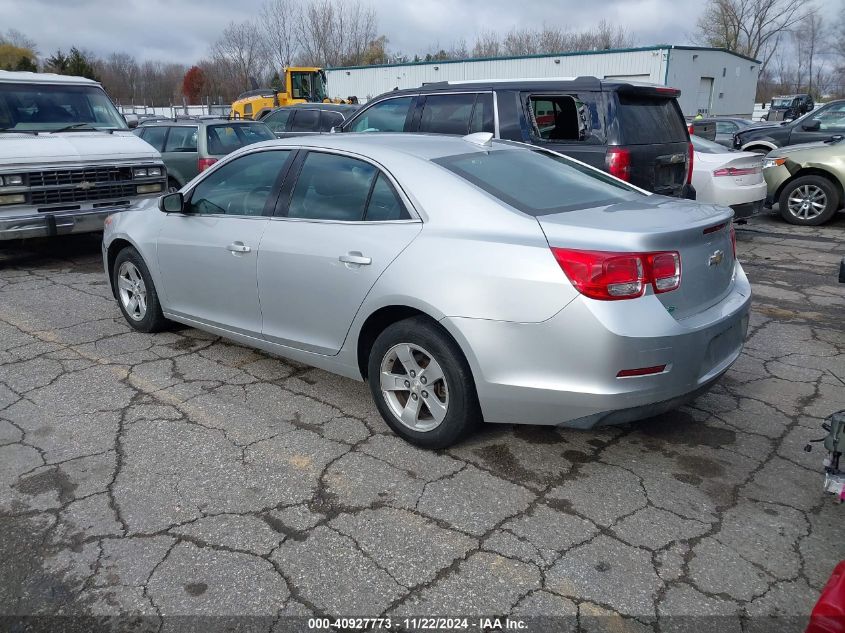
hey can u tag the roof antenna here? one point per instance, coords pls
(482, 139)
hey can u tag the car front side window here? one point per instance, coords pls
(240, 187)
(277, 121)
(386, 116)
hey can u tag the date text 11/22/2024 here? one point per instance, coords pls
(417, 624)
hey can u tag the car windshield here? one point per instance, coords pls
(226, 138)
(47, 107)
(538, 182)
(707, 147)
(781, 103)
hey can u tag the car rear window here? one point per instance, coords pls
(538, 182)
(645, 120)
(226, 138)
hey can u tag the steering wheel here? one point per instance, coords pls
(255, 200)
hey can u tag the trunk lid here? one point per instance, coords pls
(699, 233)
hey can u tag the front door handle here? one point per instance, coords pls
(238, 247)
(355, 257)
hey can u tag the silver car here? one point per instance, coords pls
(465, 279)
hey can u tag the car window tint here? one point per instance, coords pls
(277, 121)
(482, 114)
(331, 187)
(384, 203)
(306, 121)
(560, 118)
(181, 139)
(537, 182)
(240, 187)
(447, 114)
(647, 120)
(223, 139)
(155, 136)
(386, 116)
(329, 119)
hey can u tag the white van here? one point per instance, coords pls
(67, 157)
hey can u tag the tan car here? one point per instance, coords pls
(807, 181)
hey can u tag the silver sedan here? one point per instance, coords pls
(465, 279)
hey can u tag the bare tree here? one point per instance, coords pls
(241, 52)
(487, 45)
(808, 35)
(749, 27)
(278, 22)
(335, 33)
(119, 74)
(16, 38)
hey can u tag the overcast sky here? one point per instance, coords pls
(182, 31)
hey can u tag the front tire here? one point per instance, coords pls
(136, 294)
(808, 201)
(422, 384)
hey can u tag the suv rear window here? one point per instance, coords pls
(223, 139)
(537, 182)
(647, 120)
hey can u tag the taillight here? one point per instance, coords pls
(612, 276)
(689, 167)
(733, 240)
(691, 129)
(737, 171)
(205, 163)
(619, 163)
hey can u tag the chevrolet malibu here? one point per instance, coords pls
(465, 279)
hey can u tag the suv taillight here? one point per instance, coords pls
(619, 163)
(609, 276)
(689, 168)
(205, 163)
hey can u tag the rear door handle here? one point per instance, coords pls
(238, 247)
(355, 257)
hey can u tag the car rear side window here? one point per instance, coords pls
(447, 113)
(646, 120)
(538, 182)
(386, 116)
(223, 139)
(181, 139)
(306, 121)
(155, 136)
(560, 118)
(331, 187)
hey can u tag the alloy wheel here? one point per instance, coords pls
(414, 387)
(132, 290)
(807, 202)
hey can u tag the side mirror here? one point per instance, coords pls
(172, 203)
(814, 125)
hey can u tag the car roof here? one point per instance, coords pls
(590, 84)
(193, 122)
(383, 145)
(331, 107)
(43, 78)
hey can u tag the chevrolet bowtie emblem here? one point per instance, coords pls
(716, 258)
(85, 185)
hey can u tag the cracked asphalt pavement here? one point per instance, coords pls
(152, 477)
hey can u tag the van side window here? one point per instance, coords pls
(447, 113)
(482, 114)
(560, 118)
(386, 116)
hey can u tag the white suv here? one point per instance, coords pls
(67, 157)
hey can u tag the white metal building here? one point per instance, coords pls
(712, 80)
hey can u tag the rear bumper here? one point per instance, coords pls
(563, 371)
(748, 209)
(48, 224)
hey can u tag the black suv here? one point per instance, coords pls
(307, 118)
(818, 125)
(635, 132)
(789, 107)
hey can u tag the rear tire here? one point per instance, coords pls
(136, 294)
(808, 201)
(422, 384)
